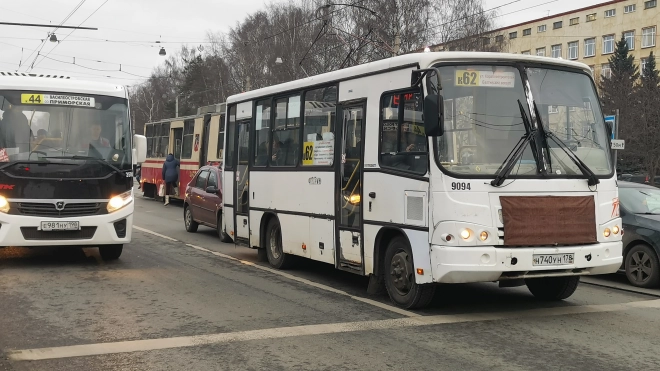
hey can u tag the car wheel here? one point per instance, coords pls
(642, 267)
(223, 236)
(191, 224)
(399, 273)
(110, 252)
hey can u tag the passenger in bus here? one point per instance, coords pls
(15, 130)
(41, 135)
(277, 157)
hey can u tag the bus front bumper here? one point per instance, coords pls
(96, 230)
(452, 264)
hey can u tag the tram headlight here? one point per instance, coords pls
(4, 205)
(120, 201)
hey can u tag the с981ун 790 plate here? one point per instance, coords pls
(60, 226)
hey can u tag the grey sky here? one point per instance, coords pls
(134, 26)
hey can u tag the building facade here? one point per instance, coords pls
(587, 35)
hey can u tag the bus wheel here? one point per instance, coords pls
(191, 224)
(276, 256)
(399, 274)
(553, 288)
(110, 252)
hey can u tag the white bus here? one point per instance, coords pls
(429, 168)
(66, 163)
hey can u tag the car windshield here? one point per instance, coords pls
(484, 121)
(640, 200)
(55, 125)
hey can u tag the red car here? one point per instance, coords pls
(203, 201)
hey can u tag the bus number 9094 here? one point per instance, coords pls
(458, 186)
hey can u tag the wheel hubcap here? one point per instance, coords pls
(640, 267)
(275, 243)
(401, 272)
(188, 217)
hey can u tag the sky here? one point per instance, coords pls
(126, 46)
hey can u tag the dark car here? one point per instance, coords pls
(203, 201)
(640, 210)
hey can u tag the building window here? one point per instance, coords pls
(574, 21)
(650, 4)
(319, 127)
(513, 35)
(608, 44)
(527, 31)
(629, 8)
(556, 51)
(557, 25)
(605, 70)
(591, 17)
(648, 37)
(486, 40)
(540, 52)
(630, 39)
(541, 28)
(499, 38)
(526, 52)
(553, 109)
(590, 47)
(573, 50)
(610, 13)
(642, 65)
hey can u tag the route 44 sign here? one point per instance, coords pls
(618, 144)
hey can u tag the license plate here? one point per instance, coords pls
(60, 226)
(553, 259)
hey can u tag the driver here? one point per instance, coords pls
(96, 139)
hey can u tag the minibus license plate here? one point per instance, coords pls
(553, 259)
(60, 226)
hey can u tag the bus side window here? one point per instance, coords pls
(403, 143)
(319, 127)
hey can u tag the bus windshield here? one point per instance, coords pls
(62, 125)
(484, 121)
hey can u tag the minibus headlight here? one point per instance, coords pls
(120, 201)
(4, 205)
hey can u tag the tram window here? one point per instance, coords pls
(165, 139)
(188, 133)
(319, 126)
(221, 137)
(231, 130)
(149, 133)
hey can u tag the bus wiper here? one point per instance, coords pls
(591, 176)
(78, 157)
(510, 161)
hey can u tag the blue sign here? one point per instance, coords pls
(612, 120)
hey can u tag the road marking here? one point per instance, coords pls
(601, 282)
(374, 303)
(308, 330)
(154, 233)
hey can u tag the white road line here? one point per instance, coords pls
(154, 233)
(307, 330)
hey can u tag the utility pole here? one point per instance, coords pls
(397, 45)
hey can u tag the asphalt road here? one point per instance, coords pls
(182, 301)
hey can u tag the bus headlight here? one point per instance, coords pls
(615, 229)
(466, 234)
(606, 232)
(120, 201)
(4, 205)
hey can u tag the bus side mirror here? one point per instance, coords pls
(140, 148)
(433, 115)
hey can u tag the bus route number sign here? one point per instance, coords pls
(489, 79)
(57, 100)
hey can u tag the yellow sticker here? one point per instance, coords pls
(308, 153)
(467, 78)
(32, 98)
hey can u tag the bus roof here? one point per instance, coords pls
(422, 59)
(52, 83)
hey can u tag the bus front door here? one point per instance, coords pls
(349, 200)
(241, 184)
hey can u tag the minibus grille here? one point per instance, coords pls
(49, 209)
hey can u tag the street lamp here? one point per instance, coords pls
(53, 38)
(162, 51)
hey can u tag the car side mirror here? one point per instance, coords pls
(212, 189)
(433, 115)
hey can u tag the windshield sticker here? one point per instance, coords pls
(3, 155)
(57, 100)
(320, 152)
(498, 79)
